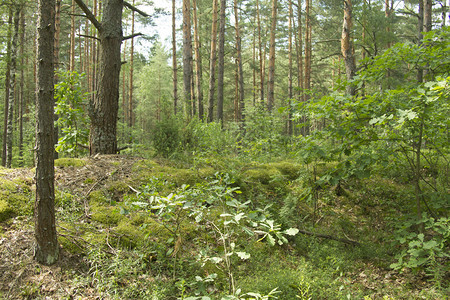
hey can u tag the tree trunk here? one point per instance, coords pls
(241, 104)
(271, 83)
(261, 51)
(124, 88)
(221, 68)
(290, 75)
(198, 63)
(130, 96)
(307, 78)
(12, 87)
(174, 59)
(72, 39)
(7, 83)
(22, 84)
(103, 110)
(212, 63)
(187, 54)
(47, 249)
(420, 25)
(300, 51)
(56, 64)
(347, 48)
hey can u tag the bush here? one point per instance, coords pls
(166, 137)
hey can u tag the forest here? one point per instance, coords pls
(214, 149)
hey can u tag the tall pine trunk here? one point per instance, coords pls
(347, 48)
(7, 83)
(47, 248)
(12, 87)
(174, 59)
(187, 55)
(212, 63)
(221, 57)
(22, 84)
(271, 82)
(130, 95)
(241, 105)
(290, 74)
(261, 51)
(198, 63)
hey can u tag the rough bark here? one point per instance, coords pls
(271, 82)
(72, 39)
(300, 50)
(12, 87)
(174, 59)
(47, 249)
(198, 63)
(307, 77)
(56, 63)
(22, 85)
(241, 104)
(221, 57)
(187, 55)
(130, 96)
(103, 110)
(290, 75)
(347, 48)
(261, 56)
(212, 63)
(420, 25)
(7, 83)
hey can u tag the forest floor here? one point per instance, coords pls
(103, 257)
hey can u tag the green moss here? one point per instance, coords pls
(128, 234)
(288, 169)
(98, 198)
(17, 193)
(107, 215)
(5, 211)
(117, 189)
(262, 175)
(69, 162)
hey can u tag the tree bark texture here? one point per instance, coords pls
(290, 75)
(271, 82)
(130, 96)
(12, 86)
(300, 50)
(212, 63)
(241, 104)
(221, 57)
(7, 83)
(347, 47)
(103, 110)
(261, 51)
(47, 249)
(198, 63)
(174, 59)
(22, 84)
(187, 55)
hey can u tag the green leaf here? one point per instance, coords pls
(291, 231)
(243, 255)
(270, 239)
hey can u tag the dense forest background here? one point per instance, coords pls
(318, 127)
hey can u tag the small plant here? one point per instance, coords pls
(166, 137)
(423, 251)
(72, 119)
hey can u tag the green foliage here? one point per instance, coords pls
(71, 103)
(166, 136)
(424, 252)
